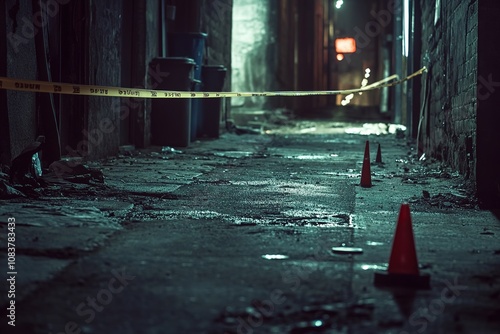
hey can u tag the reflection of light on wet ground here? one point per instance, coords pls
(233, 154)
(289, 218)
(314, 224)
(371, 266)
(318, 219)
(275, 257)
(252, 183)
(312, 156)
(158, 213)
(343, 141)
(327, 222)
(347, 250)
(374, 243)
(308, 264)
(300, 154)
(317, 323)
(308, 130)
(375, 129)
(243, 221)
(195, 214)
(348, 174)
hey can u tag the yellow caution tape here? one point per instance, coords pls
(91, 90)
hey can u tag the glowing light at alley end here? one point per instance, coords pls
(345, 45)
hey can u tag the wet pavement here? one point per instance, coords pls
(235, 235)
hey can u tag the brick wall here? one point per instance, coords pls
(461, 125)
(216, 21)
(449, 48)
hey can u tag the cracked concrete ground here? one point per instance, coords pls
(235, 235)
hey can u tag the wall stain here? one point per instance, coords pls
(13, 15)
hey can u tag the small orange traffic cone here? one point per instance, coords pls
(366, 176)
(378, 158)
(403, 263)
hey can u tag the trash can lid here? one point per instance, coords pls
(214, 67)
(174, 60)
(192, 34)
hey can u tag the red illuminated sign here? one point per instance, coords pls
(345, 45)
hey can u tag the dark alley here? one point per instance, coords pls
(249, 166)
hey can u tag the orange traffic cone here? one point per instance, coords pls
(403, 263)
(378, 158)
(366, 177)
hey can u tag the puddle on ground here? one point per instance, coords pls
(312, 156)
(347, 250)
(275, 257)
(233, 154)
(194, 214)
(305, 190)
(350, 173)
(320, 219)
(343, 141)
(333, 317)
(376, 129)
(295, 218)
(374, 243)
(243, 221)
(252, 183)
(371, 266)
(291, 218)
(59, 216)
(324, 222)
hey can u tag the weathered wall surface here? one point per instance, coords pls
(102, 132)
(19, 53)
(152, 50)
(107, 116)
(217, 21)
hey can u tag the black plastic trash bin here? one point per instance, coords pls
(190, 45)
(195, 109)
(213, 78)
(171, 117)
